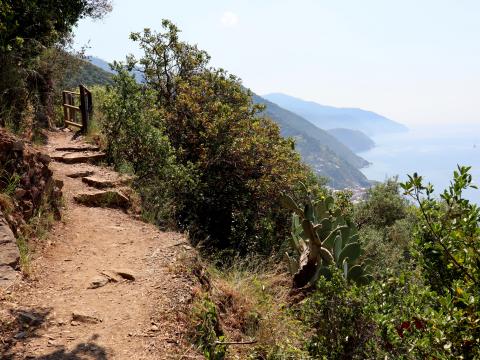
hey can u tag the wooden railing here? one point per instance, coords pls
(70, 110)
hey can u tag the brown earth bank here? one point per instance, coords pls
(103, 284)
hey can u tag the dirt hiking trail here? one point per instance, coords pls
(105, 285)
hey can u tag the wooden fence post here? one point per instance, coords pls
(65, 110)
(84, 108)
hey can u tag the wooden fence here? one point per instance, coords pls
(70, 110)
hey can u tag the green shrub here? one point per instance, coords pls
(207, 329)
(135, 139)
(386, 222)
(448, 243)
(384, 206)
(427, 308)
(342, 328)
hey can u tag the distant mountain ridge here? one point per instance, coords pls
(324, 153)
(355, 140)
(330, 117)
(105, 66)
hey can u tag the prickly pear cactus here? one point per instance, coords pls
(321, 237)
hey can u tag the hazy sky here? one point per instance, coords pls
(415, 61)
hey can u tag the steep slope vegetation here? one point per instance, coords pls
(355, 140)
(327, 156)
(329, 117)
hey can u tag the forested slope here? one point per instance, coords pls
(327, 156)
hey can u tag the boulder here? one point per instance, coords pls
(9, 254)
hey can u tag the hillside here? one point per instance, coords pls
(104, 65)
(329, 117)
(355, 140)
(327, 156)
(87, 74)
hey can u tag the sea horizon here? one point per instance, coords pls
(431, 151)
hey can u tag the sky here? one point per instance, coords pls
(414, 61)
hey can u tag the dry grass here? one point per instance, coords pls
(6, 203)
(252, 302)
(32, 234)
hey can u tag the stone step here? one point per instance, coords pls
(79, 148)
(77, 158)
(81, 174)
(107, 198)
(102, 183)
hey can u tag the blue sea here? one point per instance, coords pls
(432, 152)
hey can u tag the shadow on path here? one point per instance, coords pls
(25, 327)
(82, 351)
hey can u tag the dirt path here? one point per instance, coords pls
(140, 319)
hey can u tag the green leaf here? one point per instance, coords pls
(329, 201)
(355, 272)
(351, 252)
(324, 229)
(326, 256)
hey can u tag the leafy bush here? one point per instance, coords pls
(386, 222)
(427, 308)
(384, 206)
(208, 330)
(449, 234)
(448, 242)
(338, 317)
(135, 140)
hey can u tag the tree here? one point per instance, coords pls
(384, 206)
(241, 161)
(28, 29)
